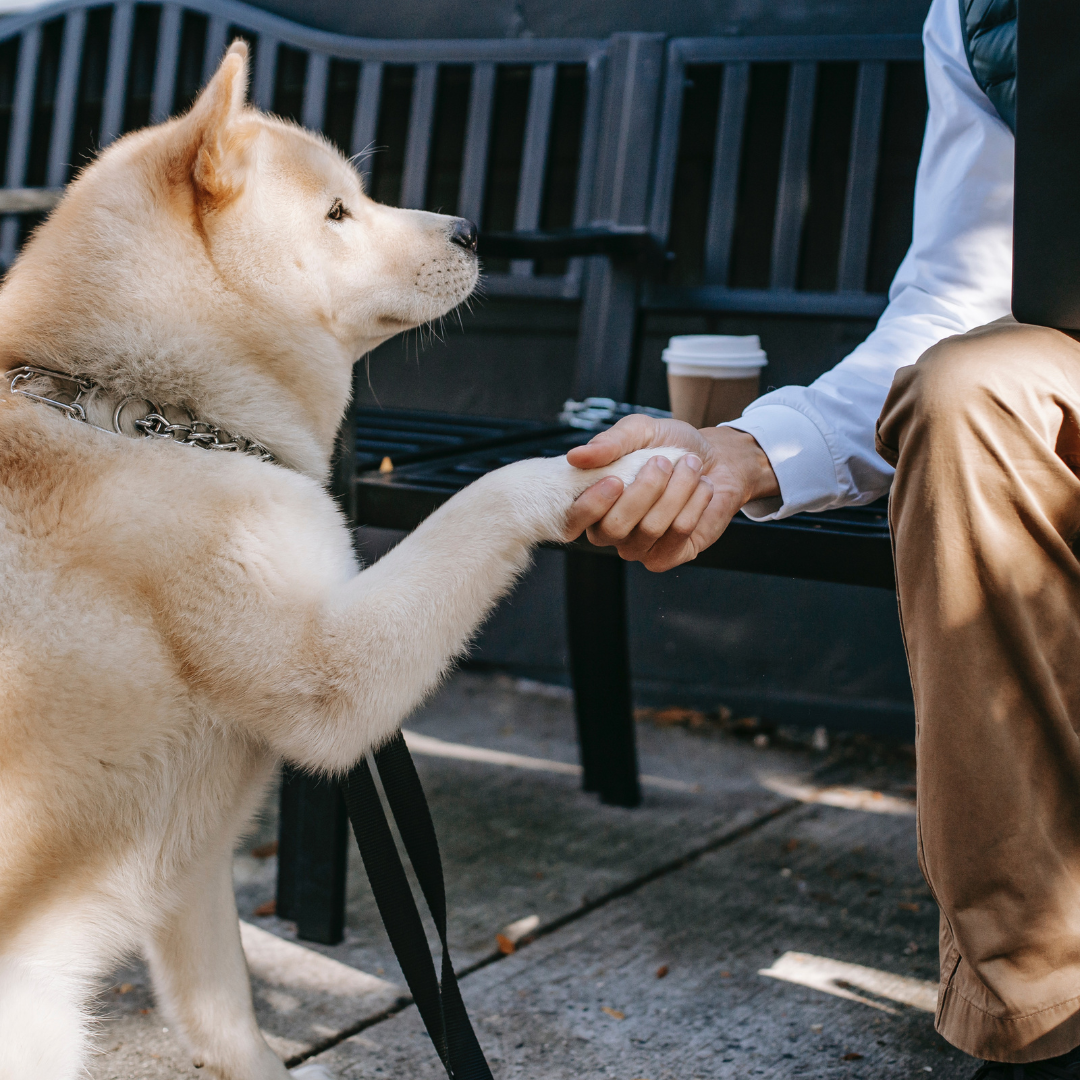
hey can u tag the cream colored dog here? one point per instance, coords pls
(173, 622)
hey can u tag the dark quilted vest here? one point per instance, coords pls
(990, 42)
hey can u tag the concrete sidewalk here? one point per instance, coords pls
(655, 924)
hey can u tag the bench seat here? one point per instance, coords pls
(849, 546)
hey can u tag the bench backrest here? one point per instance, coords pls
(776, 159)
(778, 170)
(781, 178)
(503, 131)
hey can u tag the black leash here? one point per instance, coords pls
(439, 1003)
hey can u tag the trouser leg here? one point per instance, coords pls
(985, 508)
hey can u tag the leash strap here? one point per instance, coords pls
(439, 1002)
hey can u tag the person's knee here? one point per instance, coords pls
(965, 379)
(953, 376)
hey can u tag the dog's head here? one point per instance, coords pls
(230, 262)
(285, 218)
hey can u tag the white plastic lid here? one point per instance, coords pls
(714, 345)
(712, 351)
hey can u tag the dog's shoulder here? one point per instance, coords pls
(139, 511)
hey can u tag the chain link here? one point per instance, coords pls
(153, 425)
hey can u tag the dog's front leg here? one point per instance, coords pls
(201, 979)
(370, 653)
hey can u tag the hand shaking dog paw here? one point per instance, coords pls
(627, 468)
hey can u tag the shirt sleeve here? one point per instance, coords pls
(956, 275)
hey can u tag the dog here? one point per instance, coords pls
(175, 622)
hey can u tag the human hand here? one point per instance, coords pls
(668, 515)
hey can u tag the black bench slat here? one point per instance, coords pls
(418, 143)
(535, 150)
(720, 230)
(791, 196)
(366, 115)
(862, 176)
(477, 138)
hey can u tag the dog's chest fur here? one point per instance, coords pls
(127, 565)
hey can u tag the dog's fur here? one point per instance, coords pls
(173, 622)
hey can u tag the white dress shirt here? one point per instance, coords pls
(956, 275)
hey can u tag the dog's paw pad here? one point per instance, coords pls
(313, 1072)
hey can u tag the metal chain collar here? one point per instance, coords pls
(153, 425)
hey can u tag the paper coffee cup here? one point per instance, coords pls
(713, 377)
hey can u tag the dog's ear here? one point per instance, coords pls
(218, 162)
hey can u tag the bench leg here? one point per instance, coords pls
(313, 839)
(600, 670)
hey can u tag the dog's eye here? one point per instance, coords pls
(337, 211)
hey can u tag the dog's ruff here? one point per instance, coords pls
(175, 622)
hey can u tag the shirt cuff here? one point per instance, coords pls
(800, 457)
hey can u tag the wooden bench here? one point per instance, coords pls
(764, 165)
(738, 248)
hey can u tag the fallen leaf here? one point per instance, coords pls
(125, 988)
(852, 1057)
(268, 908)
(264, 851)
(144, 1011)
(791, 845)
(676, 715)
(905, 905)
(516, 933)
(725, 974)
(613, 1013)
(661, 971)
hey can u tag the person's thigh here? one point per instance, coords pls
(985, 509)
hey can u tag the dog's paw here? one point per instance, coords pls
(313, 1071)
(627, 468)
(541, 490)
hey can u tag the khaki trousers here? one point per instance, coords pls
(985, 511)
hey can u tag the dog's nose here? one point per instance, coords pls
(463, 233)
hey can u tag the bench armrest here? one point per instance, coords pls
(620, 242)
